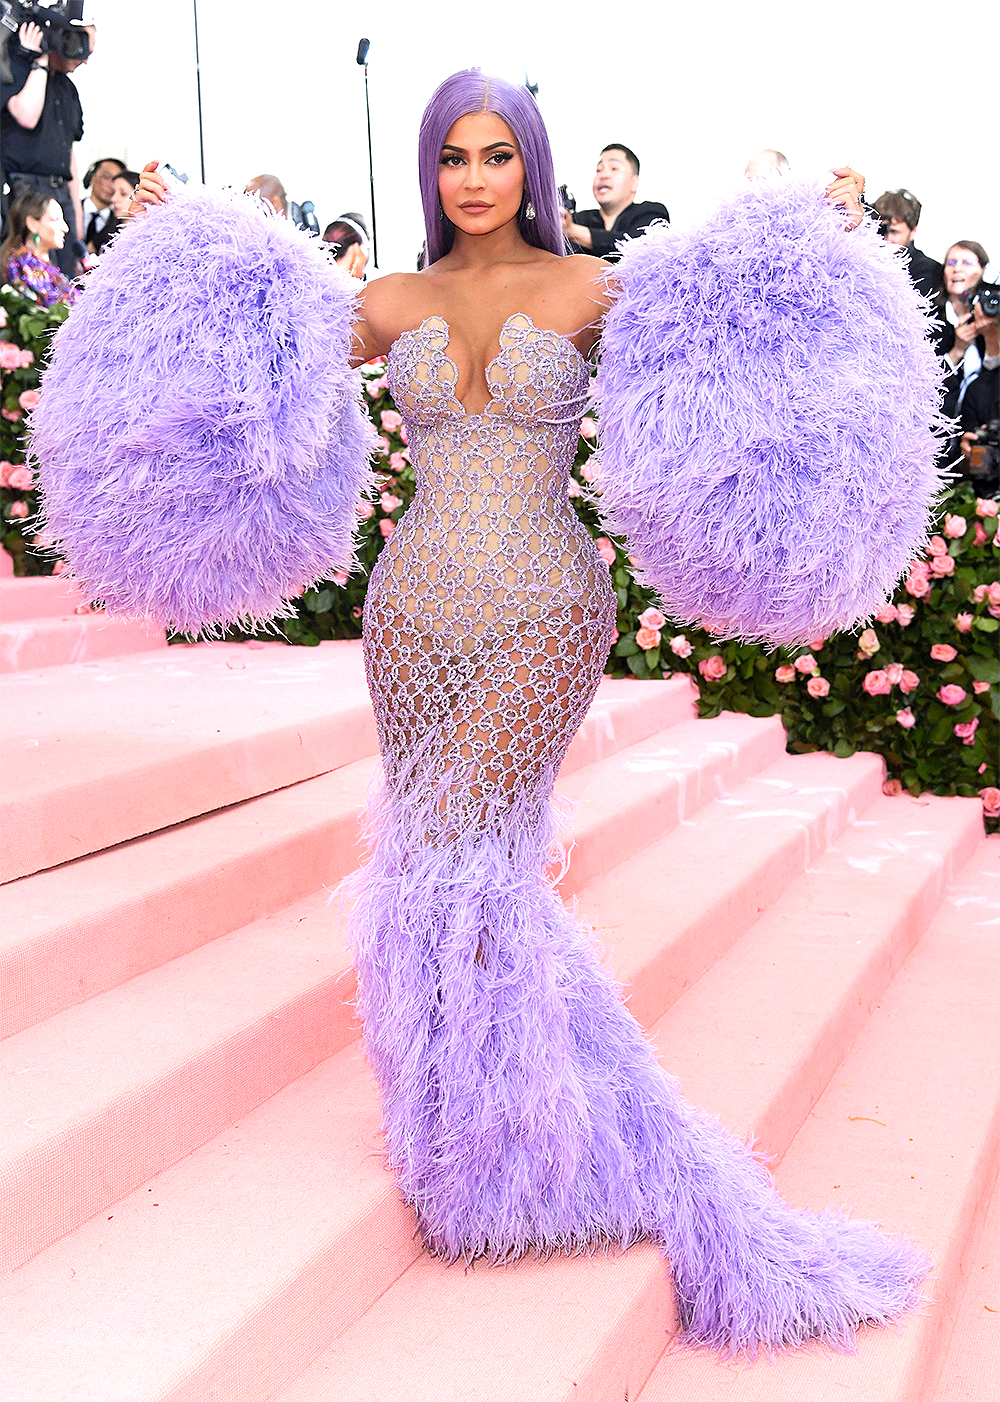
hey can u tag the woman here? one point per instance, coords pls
(35, 227)
(350, 238)
(122, 192)
(523, 1107)
(969, 341)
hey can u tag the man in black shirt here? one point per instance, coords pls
(600, 231)
(899, 213)
(39, 124)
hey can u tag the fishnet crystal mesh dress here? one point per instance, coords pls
(523, 1108)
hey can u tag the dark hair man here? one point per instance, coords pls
(600, 231)
(99, 182)
(40, 123)
(899, 213)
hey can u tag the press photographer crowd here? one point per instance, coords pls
(57, 223)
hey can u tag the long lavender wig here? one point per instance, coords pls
(472, 90)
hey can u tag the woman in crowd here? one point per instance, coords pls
(35, 227)
(122, 193)
(350, 236)
(968, 339)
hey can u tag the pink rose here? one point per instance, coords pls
(11, 414)
(10, 356)
(574, 488)
(980, 537)
(651, 618)
(955, 527)
(28, 399)
(920, 567)
(3, 317)
(386, 527)
(963, 622)
(942, 565)
(20, 479)
(892, 788)
(6, 468)
(806, 663)
(589, 470)
(935, 546)
(894, 672)
(648, 638)
(615, 635)
(19, 508)
(340, 577)
(876, 683)
(991, 802)
(784, 674)
(713, 668)
(365, 509)
(993, 592)
(605, 549)
(944, 652)
(382, 444)
(397, 461)
(390, 420)
(906, 718)
(402, 433)
(985, 507)
(918, 585)
(905, 614)
(951, 695)
(979, 593)
(868, 643)
(966, 730)
(389, 503)
(588, 428)
(27, 358)
(818, 686)
(356, 611)
(887, 615)
(816, 643)
(680, 646)
(908, 682)
(980, 687)
(59, 567)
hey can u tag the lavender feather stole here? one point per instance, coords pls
(524, 1110)
(199, 438)
(769, 411)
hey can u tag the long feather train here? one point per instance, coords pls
(769, 416)
(199, 439)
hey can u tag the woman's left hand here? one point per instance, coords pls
(847, 190)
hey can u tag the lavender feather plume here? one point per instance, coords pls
(769, 416)
(199, 440)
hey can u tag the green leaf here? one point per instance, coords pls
(986, 624)
(637, 666)
(318, 602)
(833, 708)
(990, 526)
(843, 749)
(984, 669)
(627, 646)
(653, 658)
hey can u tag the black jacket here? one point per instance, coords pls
(926, 275)
(635, 219)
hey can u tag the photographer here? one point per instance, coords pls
(968, 338)
(600, 231)
(42, 120)
(899, 213)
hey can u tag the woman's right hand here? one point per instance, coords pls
(152, 189)
(965, 334)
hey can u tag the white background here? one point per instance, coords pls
(694, 89)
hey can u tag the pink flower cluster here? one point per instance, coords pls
(991, 801)
(650, 623)
(13, 357)
(985, 507)
(17, 477)
(605, 549)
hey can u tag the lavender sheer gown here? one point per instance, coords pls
(524, 1110)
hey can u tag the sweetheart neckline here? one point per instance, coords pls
(436, 316)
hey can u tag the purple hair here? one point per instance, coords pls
(472, 90)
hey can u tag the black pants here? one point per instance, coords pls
(64, 258)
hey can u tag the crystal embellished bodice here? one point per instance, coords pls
(490, 612)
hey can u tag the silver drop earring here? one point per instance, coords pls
(529, 210)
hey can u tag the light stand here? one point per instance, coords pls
(197, 69)
(363, 48)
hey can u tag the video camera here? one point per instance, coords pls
(60, 23)
(984, 460)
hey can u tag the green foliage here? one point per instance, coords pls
(28, 328)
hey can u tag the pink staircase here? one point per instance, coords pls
(47, 622)
(193, 1205)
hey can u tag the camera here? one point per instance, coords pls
(567, 200)
(987, 297)
(984, 460)
(59, 22)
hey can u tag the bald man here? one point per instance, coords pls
(269, 188)
(765, 164)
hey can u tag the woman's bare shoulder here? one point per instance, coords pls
(388, 303)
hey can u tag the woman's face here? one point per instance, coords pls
(121, 197)
(481, 174)
(962, 271)
(51, 228)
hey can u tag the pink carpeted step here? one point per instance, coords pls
(102, 752)
(970, 1370)
(71, 932)
(38, 596)
(907, 1132)
(273, 1000)
(58, 642)
(668, 911)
